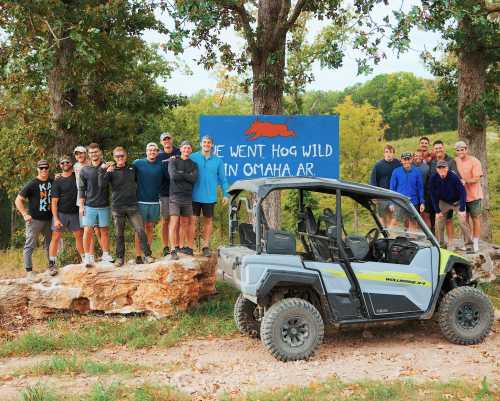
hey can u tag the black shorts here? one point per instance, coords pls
(207, 208)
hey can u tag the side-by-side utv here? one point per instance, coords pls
(322, 271)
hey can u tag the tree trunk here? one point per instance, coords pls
(472, 124)
(268, 68)
(62, 97)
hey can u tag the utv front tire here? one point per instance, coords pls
(244, 317)
(292, 329)
(465, 316)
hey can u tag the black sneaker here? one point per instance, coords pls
(138, 260)
(52, 268)
(166, 251)
(173, 255)
(206, 251)
(187, 250)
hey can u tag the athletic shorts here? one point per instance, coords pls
(206, 208)
(181, 209)
(164, 209)
(474, 208)
(150, 212)
(70, 222)
(96, 216)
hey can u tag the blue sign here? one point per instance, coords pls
(275, 146)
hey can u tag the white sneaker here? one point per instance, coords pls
(89, 261)
(107, 258)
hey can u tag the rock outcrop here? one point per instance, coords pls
(485, 263)
(160, 288)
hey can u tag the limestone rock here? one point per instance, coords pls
(160, 288)
(485, 263)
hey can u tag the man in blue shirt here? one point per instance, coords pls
(210, 175)
(448, 193)
(407, 180)
(149, 175)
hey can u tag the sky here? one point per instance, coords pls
(325, 79)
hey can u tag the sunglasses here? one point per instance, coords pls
(460, 149)
(43, 168)
(119, 156)
(64, 162)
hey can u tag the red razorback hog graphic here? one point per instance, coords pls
(263, 129)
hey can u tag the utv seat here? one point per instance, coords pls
(247, 236)
(320, 246)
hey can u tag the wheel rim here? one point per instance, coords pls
(295, 331)
(468, 316)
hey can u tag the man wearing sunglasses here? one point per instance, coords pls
(64, 211)
(122, 179)
(38, 193)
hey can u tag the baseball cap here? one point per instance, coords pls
(406, 155)
(165, 135)
(152, 144)
(42, 163)
(186, 143)
(441, 163)
(460, 144)
(80, 149)
(64, 158)
(207, 137)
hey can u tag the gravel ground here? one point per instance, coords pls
(206, 368)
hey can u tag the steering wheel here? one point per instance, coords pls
(372, 235)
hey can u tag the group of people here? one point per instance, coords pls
(173, 185)
(438, 186)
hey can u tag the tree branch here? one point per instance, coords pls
(244, 17)
(295, 13)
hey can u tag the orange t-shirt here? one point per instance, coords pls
(468, 169)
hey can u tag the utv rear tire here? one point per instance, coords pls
(292, 329)
(465, 316)
(244, 317)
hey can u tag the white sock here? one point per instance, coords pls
(105, 254)
(475, 242)
(52, 258)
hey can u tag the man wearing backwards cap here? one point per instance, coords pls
(471, 171)
(210, 175)
(38, 193)
(64, 211)
(407, 180)
(168, 152)
(182, 172)
(448, 193)
(149, 179)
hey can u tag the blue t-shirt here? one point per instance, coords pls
(210, 174)
(149, 180)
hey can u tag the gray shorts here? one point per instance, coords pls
(164, 207)
(181, 209)
(70, 222)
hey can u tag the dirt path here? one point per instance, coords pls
(204, 368)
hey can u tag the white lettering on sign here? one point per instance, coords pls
(245, 151)
(317, 150)
(283, 151)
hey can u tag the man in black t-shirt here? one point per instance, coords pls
(38, 193)
(64, 211)
(183, 172)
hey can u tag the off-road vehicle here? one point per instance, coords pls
(321, 271)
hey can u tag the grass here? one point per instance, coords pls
(493, 291)
(60, 365)
(336, 390)
(331, 390)
(79, 333)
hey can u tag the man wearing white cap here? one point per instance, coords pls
(82, 160)
(471, 171)
(149, 175)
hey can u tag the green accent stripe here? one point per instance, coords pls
(444, 256)
(385, 276)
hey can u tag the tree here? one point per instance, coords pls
(472, 38)
(82, 60)
(264, 25)
(361, 134)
